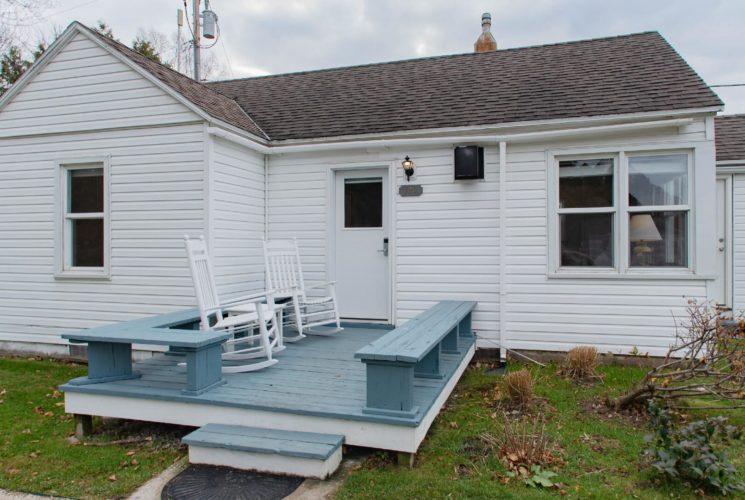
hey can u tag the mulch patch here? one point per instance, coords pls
(635, 415)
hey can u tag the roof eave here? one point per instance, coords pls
(502, 128)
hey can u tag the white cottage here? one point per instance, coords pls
(591, 220)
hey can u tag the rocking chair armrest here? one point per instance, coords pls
(321, 285)
(248, 299)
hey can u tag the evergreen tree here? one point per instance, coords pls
(12, 66)
(146, 48)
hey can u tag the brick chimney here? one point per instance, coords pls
(486, 41)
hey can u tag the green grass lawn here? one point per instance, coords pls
(601, 455)
(36, 457)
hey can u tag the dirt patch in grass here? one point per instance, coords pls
(635, 415)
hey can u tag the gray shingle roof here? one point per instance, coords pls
(617, 75)
(211, 102)
(606, 76)
(729, 131)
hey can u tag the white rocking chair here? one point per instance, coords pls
(285, 275)
(251, 313)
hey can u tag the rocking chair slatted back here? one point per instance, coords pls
(204, 284)
(283, 270)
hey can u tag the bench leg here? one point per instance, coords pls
(107, 362)
(203, 369)
(450, 342)
(83, 426)
(464, 327)
(390, 389)
(429, 366)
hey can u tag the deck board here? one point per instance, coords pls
(317, 376)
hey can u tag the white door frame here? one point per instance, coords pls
(728, 242)
(331, 224)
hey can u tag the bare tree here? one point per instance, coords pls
(16, 17)
(706, 362)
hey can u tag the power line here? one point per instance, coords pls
(729, 85)
(225, 51)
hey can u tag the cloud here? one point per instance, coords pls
(276, 36)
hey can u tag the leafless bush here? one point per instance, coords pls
(707, 361)
(522, 444)
(519, 386)
(580, 364)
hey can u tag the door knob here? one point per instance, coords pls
(384, 250)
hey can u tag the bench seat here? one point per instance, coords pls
(412, 350)
(306, 454)
(110, 354)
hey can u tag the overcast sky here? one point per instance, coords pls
(276, 36)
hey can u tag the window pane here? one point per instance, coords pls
(658, 180)
(363, 202)
(586, 240)
(87, 242)
(586, 183)
(85, 190)
(658, 239)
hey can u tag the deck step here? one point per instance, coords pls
(306, 454)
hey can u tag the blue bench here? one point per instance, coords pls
(110, 351)
(412, 350)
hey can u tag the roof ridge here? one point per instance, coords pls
(441, 56)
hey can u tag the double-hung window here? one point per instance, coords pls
(621, 212)
(82, 232)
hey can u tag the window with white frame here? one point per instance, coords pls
(82, 236)
(622, 211)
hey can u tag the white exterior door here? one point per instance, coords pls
(361, 244)
(720, 286)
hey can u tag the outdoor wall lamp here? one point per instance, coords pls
(408, 166)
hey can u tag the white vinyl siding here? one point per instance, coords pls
(446, 241)
(237, 218)
(616, 315)
(156, 198)
(86, 88)
(86, 104)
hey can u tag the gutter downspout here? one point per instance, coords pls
(502, 249)
(266, 197)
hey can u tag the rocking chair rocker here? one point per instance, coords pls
(284, 274)
(251, 313)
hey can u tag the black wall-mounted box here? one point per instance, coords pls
(469, 162)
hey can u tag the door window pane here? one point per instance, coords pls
(586, 183)
(658, 180)
(87, 242)
(586, 240)
(363, 202)
(658, 239)
(85, 190)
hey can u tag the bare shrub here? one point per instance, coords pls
(523, 444)
(706, 362)
(519, 386)
(580, 363)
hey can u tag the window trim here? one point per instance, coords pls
(62, 167)
(621, 267)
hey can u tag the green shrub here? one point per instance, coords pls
(693, 452)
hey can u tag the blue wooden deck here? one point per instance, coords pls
(317, 376)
